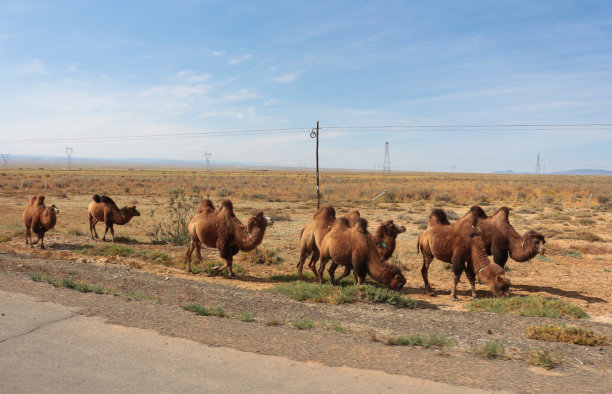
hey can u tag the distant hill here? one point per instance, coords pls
(583, 171)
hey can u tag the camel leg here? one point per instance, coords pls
(424, 273)
(112, 232)
(226, 254)
(42, 240)
(105, 231)
(313, 260)
(321, 270)
(28, 235)
(360, 270)
(332, 273)
(188, 255)
(300, 264)
(500, 257)
(469, 272)
(198, 248)
(347, 271)
(91, 220)
(457, 267)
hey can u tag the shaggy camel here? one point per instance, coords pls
(501, 239)
(312, 235)
(219, 228)
(104, 209)
(39, 218)
(385, 240)
(353, 246)
(461, 245)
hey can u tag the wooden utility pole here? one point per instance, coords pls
(315, 134)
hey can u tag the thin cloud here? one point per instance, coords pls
(32, 67)
(241, 95)
(190, 76)
(218, 53)
(286, 78)
(240, 59)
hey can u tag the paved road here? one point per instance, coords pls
(46, 347)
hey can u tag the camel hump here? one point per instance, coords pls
(32, 200)
(362, 225)
(327, 212)
(228, 206)
(40, 200)
(96, 198)
(478, 212)
(205, 205)
(352, 215)
(437, 217)
(109, 201)
(503, 213)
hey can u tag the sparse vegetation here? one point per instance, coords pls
(35, 276)
(302, 324)
(238, 270)
(573, 335)
(205, 311)
(5, 238)
(246, 316)
(492, 349)
(180, 210)
(105, 250)
(529, 306)
(438, 340)
(263, 255)
(333, 325)
(545, 358)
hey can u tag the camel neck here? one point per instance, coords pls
(480, 260)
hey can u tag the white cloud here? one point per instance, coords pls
(33, 66)
(237, 60)
(286, 78)
(217, 53)
(190, 76)
(241, 95)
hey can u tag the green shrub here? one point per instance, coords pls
(35, 276)
(174, 231)
(105, 250)
(529, 306)
(154, 256)
(265, 256)
(492, 349)
(302, 324)
(545, 358)
(205, 311)
(5, 238)
(246, 316)
(573, 335)
(420, 340)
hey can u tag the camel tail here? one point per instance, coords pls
(96, 198)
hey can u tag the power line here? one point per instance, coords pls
(459, 128)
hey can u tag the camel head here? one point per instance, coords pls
(132, 211)
(392, 277)
(501, 286)
(259, 221)
(54, 209)
(391, 229)
(535, 241)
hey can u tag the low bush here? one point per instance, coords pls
(302, 324)
(492, 349)
(529, 306)
(438, 340)
(573, 335)
(105, 250)
(545, 358)
(205, 311)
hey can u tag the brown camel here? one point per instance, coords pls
(385, 240)
(461, 245)
(104, 209)
(312, 235)
(39, 218)
(501, 239)
(353, 246)
(219, 228)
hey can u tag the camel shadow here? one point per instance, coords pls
(559, 292)
(255, 279)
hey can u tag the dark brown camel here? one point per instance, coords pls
(312, 235)
(39, 218)
(501, 239)
(461, 245)
(219, 228)
(103, 209)
(353, 246)
(385, 240)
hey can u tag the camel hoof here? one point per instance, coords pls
(453, 298)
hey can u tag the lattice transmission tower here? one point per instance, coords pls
(207, 156)
(537, 168)
(69, 154)
(387, 163)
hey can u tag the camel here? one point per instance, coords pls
(385, 240)
(353, 246)
(322, 221)
(312, 235)
(39, 218)
(461, 245)
(501, 239)
(104, 209)
(221, 229)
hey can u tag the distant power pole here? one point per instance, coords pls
(5, 159)
(315, 134)
(537, 168)
(387, 163)
(207, 156)
(69, 154)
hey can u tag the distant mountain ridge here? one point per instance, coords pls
(581, 171)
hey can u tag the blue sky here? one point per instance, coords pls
(81, 69)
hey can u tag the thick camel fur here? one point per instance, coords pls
(221, 229)
(312, 235)
(39, 218)
(461, 245)
(103, 209)
(353, 246)
(501, 239)
(385, 240)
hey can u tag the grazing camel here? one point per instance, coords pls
(501, 239)
(312, 235)
(385, 240)
(104, 209)
(219, 228)
(461, 245)
(39, 218)
(353, 246)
